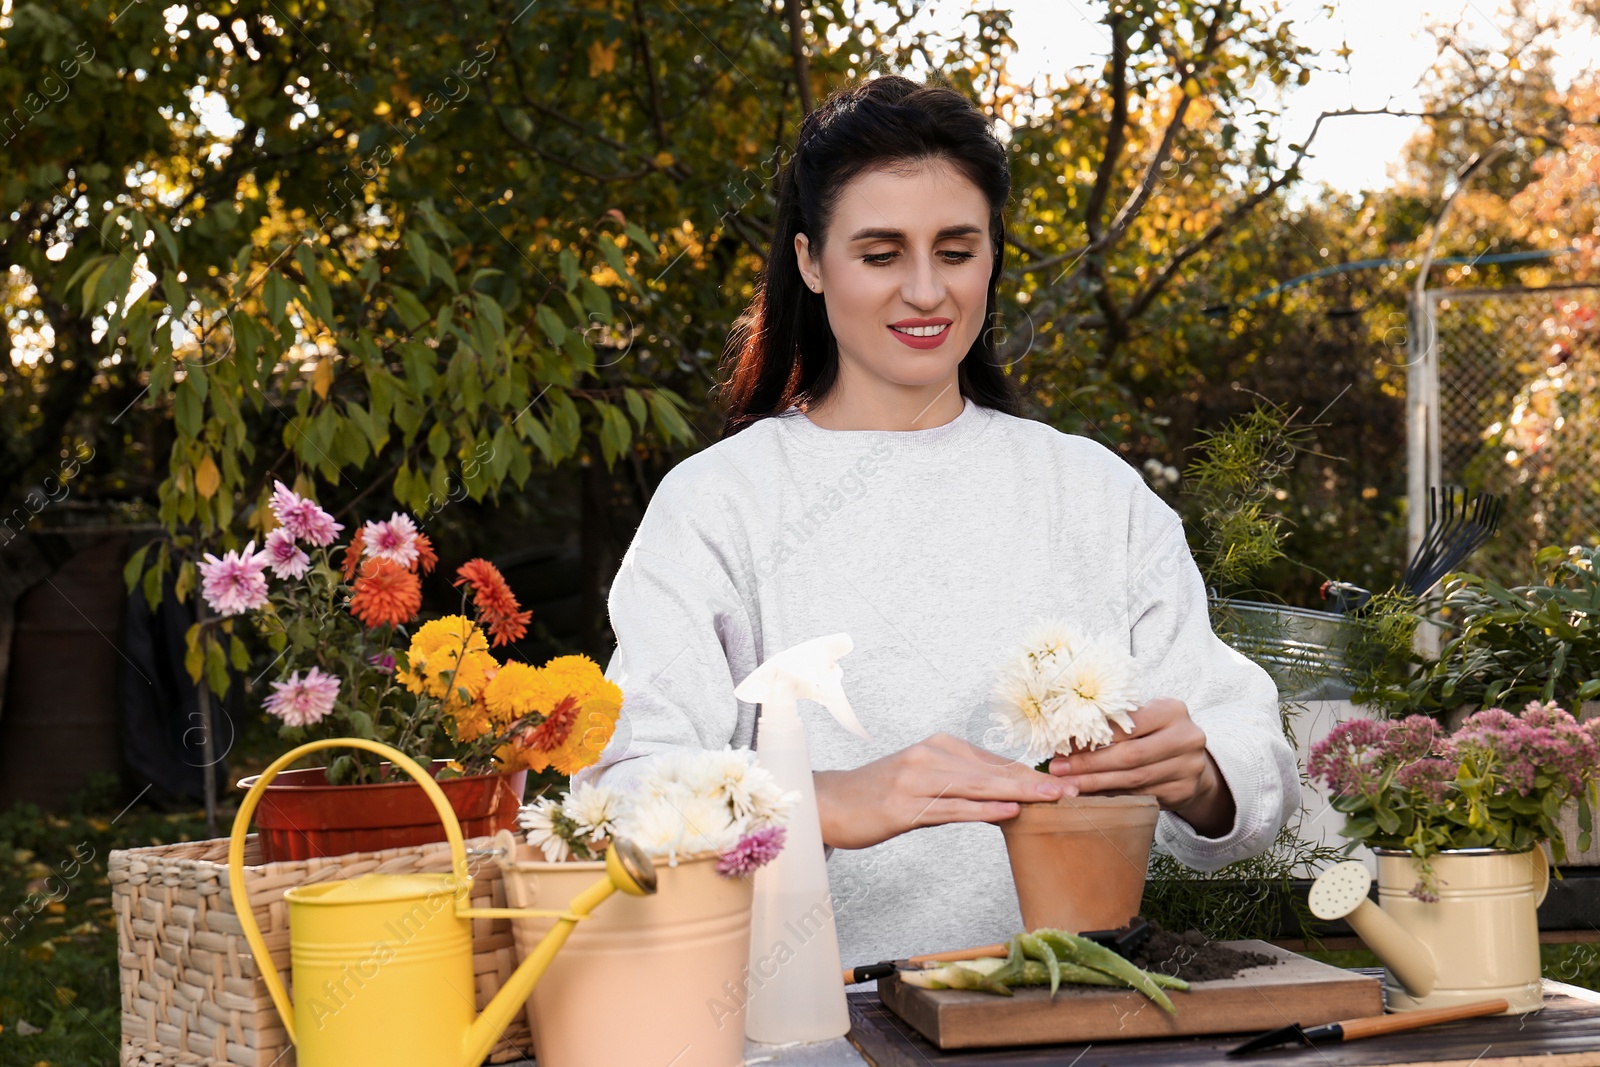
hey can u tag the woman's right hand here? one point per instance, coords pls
(940, 779)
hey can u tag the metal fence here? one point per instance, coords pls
(1503, 395)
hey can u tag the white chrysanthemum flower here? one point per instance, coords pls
(668, 824)
(593, 809)
(1096, 689)
(1023, 692)
(538, 819)
(1050, 645)
(727, 776)
(770, 805)
(669, 773)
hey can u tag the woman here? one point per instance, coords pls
(873, 478)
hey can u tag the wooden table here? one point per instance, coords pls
(1565, 1034)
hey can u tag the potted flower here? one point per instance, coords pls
(352, 662)
(677, 959)
(1457, 822)
(1079, 863)
(1506, 646)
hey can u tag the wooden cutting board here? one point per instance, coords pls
(1296, 990)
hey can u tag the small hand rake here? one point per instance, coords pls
(1458, 525)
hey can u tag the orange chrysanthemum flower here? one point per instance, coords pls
(386, 593)
(494, 602)
(548, 735)
(426, 556)
(352, 554)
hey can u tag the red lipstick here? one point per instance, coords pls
(930, 333)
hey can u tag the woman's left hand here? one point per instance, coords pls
(1165, 757)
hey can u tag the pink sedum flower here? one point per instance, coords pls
(394, 539)
(235, 583)
(751, 852)
(303, 701)
(1433, 778)
(286, 558)
(304, 520)
(1349, 760)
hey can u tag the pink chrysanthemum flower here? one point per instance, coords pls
(304, 520)
(752, 851)
(394, 540)
(302, 701)
(284, 556)
(235, 583)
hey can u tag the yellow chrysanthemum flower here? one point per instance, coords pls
(519, 689)
(471, 721)
(596, 722)
(453, 644)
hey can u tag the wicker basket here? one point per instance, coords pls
(191, 993)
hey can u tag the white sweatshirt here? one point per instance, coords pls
(935, 550)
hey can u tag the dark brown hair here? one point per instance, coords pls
(781, 350)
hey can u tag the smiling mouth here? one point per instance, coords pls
(921, 331)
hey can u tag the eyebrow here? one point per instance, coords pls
(880, 233)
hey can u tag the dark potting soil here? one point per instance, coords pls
(1194, 957)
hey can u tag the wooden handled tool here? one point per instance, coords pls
(868, 972)
(1371, 1026)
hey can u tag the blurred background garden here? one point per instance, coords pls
(477, 261)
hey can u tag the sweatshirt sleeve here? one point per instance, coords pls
(1228, 696)
(684, 639)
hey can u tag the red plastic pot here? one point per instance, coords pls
(301, 816)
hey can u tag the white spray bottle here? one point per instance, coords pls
(795, 991)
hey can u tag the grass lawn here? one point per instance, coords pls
(59, 1003)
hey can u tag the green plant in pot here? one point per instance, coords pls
(1539, 641)
(1457, 821)
(1234, 483)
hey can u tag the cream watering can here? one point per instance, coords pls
(382, 964)
(1478, 941)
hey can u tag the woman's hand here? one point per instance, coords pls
(938, 780)
(1165, 757)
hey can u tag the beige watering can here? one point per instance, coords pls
(1478, 941)
(382, 964)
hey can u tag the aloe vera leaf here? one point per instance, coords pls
(1083, 951)
(1015, 959)
(1036, 949)
(1034, 973)
(1031, 973)
(955, 976)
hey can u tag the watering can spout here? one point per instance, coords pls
(628, 868)
(1341, 893)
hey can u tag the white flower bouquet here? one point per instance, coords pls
(687, 803)
(1062, 691)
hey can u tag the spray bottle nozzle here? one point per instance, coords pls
(811, 670)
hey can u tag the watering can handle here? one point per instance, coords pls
(241, 826)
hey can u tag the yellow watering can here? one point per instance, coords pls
(382, 963)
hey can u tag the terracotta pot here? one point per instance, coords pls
(671, 965)
(1482, 935)
(302, 817)
(1079, 863)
